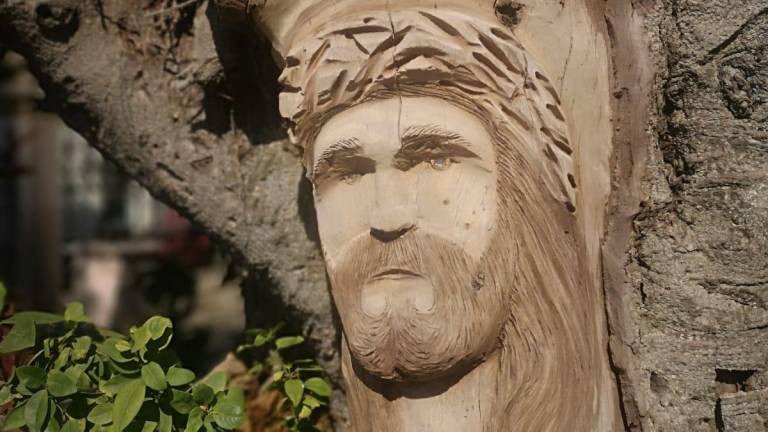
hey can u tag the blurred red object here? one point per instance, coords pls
(191, 246)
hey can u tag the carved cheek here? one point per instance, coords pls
(342, 214)
(458, 204)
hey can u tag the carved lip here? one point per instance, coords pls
(395, 273)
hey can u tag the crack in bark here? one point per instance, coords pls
(615, 370)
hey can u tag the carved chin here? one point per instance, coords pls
(408, 345)
(409, 331)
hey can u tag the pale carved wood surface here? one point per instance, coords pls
(541, 294)
(686, 310)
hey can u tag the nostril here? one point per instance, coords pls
(387, 235)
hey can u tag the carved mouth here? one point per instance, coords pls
(395, 273)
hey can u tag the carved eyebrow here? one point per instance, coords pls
(340, 149)
(429, 138)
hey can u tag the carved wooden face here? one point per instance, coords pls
(406, 200)
(383, 168)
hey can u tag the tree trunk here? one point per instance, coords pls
(183, 96)
(688, 307)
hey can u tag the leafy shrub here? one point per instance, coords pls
(83, 378)
(302, 383)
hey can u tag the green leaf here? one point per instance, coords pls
(260, 340)
(157, 326)
(311, 402)
(182, 402)
(195, 420)
(208, 423)
(140, 336)
(33, 317)
(107, 348)
(123, 345)
(36, 410)
(229, 411)
(305, 412)
(318, 386)
(131, 368)
(81, 347)
(77, 374)
(114, 384)
(75, 312)
(179, 376)
(217, 381)
(294, 389)
(101, 414)
(71, 426)
(16, 419)
(31, 377)
(202, 394)
(3, 294)
(5, 394)
(20, 389)
(277, 376)
(228, 415)
(21, 336)
(263, 336)
(127, 404)
(62, 359)
(256, 369)
(289, 341)
(53, 424)
(60, 384)
(153, 376)
(236, 396)
(149, 426)
(165, 424)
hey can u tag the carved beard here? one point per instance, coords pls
(404, 341)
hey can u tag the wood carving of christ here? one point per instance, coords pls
(446, 201)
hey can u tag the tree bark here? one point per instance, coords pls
(688, 307)
(183, 97)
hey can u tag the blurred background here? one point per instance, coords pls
(74, 228)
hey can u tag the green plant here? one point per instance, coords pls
(302, 383)
(82, 378)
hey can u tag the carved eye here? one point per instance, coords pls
(440, 164)
(350, 178)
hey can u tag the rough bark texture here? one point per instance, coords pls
(164, 90)
(695, 300)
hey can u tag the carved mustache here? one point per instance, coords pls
(413, 254)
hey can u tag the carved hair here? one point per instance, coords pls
(550, 347)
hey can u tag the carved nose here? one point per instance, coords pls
(393, 212)
(387, 235)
